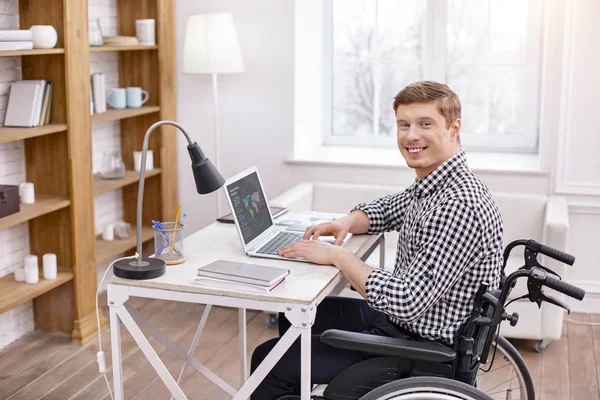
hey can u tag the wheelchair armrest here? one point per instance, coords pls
(388, 346)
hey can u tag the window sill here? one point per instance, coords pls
(391, 158)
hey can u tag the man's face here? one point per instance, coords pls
(423, 139)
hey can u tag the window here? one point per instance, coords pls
(487, 51)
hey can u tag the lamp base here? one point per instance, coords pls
(149, 268)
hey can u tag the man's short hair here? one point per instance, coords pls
(448, 103)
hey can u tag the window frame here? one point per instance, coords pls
(434, 67)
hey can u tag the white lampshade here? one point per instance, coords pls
(211, 45)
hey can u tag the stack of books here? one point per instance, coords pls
(240, 277)
(29, 103)
(15, 39)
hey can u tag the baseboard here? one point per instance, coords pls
(591, 302)
(86, 329)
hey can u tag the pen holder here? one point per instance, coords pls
(163, 243)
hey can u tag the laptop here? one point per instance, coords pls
(253, 219)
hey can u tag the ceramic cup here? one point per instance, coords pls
(144, 31)
(117, 98)
(134, 97)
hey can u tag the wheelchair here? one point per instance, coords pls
(427, 369)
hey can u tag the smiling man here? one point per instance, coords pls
(450, 240)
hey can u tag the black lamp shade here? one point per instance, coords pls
(207, 177)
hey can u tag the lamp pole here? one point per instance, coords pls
(139, 262)
(217, 135)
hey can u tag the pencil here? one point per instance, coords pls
(175, 227)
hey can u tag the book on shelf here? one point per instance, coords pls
(29, 103)
(240, 276)
(16, 35)
(15, 39)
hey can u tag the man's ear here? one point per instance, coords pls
(455, 128)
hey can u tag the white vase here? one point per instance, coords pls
(43, 36)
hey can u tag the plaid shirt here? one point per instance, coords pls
(450, 240)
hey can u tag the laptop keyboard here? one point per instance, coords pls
(278, 241)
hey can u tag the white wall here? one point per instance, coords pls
(256, 106)
(14, 241)
(257, 118)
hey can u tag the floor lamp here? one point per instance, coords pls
(211, 47)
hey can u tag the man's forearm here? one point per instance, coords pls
(355, 271)
(358, 222)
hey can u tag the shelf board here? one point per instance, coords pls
(34, 52)
(10, 134)
(44, 204)
(123, 48)
(106, 185)
(106, 250)
(13, 293)
(114, 115)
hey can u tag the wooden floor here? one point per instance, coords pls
(48, 366)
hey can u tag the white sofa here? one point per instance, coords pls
(525, 216)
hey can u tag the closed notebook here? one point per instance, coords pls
(236, 286)
(22, 104)
(243, 273)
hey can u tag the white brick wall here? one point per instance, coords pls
(14, 241)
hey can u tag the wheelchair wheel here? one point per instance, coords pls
(425, 388)
(508, 376)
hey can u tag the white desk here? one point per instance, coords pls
(297, 297)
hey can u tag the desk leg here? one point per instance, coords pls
(243, 345)
(197, 335)
(382, 252)
(115, 339)
(305, 350)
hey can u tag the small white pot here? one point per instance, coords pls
(43, 36)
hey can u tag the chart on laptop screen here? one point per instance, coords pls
(248, 201)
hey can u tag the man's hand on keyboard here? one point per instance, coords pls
(315, 251)
(338, 229)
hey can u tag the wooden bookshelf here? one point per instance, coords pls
(44, 204)
(115, 115)
(122, 48)
(34, 52)
(106, 185)
(59, 156)
(9, 134)
(106, 250)
(13, 293)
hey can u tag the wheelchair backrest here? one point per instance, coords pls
(473, 342)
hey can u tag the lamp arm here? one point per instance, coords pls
(140, 198)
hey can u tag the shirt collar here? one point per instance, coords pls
(438, 176)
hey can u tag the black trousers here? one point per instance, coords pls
(326, 362)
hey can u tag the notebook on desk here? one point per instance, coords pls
(233, 275)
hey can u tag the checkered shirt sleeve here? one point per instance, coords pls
(387, 213)
(447, 245)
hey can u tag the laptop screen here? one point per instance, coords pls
(248, 201)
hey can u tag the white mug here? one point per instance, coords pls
(27, 193)
(137, 160)
(144, 31)
(117, 98)
(134, 97)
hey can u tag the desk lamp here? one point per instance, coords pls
(208, 179)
